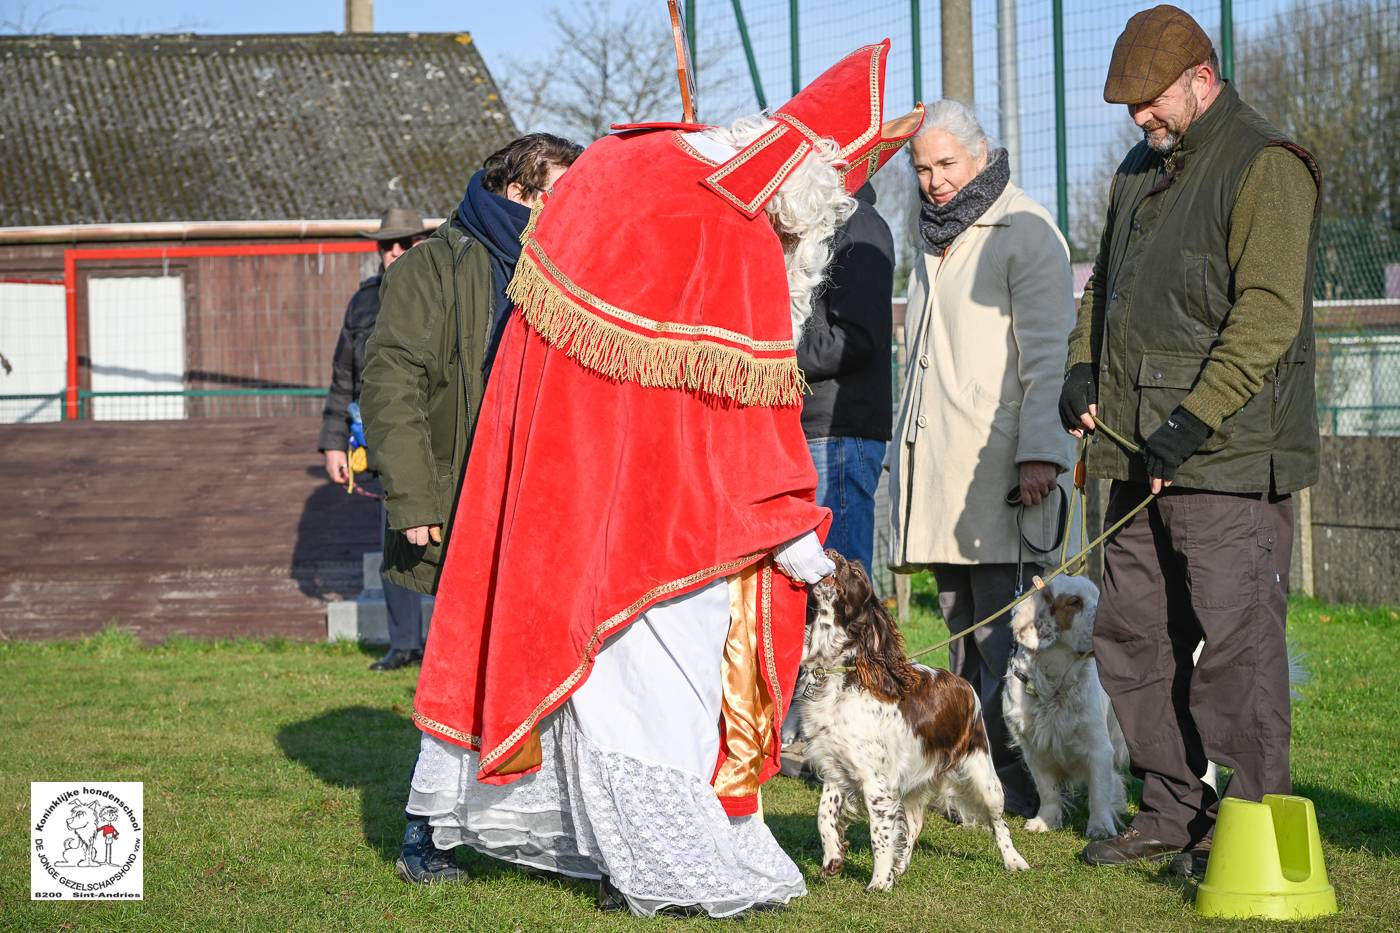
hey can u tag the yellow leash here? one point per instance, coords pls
(1079, 561)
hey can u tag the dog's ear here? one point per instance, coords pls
(880, 664)
(856, 591)
(1029, 619)
(1065, 609)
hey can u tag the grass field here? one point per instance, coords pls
(275, 775)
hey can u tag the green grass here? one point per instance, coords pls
(275, 772)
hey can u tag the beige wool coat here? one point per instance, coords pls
(986, 335)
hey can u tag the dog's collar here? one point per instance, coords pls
(1029, 684)
(816, 678)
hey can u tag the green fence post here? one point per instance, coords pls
(794, 42)
(690, 36)
(1227, 40)
(917, 50)
(1061, 166)
(748, 54)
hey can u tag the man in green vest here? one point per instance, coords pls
(1194, 350)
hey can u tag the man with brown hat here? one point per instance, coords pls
(399, 229)
(1194, 343)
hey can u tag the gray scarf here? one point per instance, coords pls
(941, 225)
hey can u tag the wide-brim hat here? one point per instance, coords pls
(1155, 48)
(395, 224)
(843, 104)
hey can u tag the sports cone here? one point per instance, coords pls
(1266, 861)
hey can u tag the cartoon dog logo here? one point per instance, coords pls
(80, 849)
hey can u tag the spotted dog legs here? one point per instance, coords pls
(981, 785)
(914, 825)
(833, 816)
(888, 829)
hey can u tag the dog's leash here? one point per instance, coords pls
(1078, 561)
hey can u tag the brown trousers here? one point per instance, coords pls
(968, 593)
(1197, 565)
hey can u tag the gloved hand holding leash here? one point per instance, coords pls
(1180, 436)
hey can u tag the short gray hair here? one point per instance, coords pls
(957, 120)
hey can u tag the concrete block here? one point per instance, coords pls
(366, 618)
(373, 562)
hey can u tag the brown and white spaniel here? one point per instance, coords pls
(890, 734)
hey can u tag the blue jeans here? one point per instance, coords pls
(848, 470)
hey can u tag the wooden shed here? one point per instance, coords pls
(179, 237)
(180, 212)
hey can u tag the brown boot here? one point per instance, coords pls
(1191, 863)
(1127, 847)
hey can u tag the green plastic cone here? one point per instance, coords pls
(1266, 861)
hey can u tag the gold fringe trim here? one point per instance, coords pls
(658, 362)
(529, 230)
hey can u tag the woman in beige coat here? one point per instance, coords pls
(990, 311)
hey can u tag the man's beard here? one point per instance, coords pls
(1167, 143)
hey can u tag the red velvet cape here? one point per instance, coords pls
(638, 439)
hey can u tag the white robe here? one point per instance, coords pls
(624, 785)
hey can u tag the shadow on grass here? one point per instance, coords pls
(1348, 822)
(373, 751)
(367, 749)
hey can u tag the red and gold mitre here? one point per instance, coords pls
(843, 104)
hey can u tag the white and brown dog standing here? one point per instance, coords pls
(1056, 711)
(890, 734)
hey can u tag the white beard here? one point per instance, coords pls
(814, 248)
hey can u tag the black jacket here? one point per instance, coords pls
(845, 350)
(348, 364)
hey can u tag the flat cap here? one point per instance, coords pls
(1156, 46)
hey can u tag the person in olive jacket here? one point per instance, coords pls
(399, 230)
(442, 305)
(1195, 344)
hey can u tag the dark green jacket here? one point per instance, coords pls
(422, 390)
(1201, 297)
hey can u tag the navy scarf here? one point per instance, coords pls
(497, 223)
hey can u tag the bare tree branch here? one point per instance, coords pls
(605, 66)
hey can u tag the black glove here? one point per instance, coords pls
(1180, 436)
(1078, 394)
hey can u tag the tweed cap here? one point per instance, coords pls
(1156, 46)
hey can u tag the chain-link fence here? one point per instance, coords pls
(1327, 72)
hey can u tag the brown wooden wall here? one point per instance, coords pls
(206, 527)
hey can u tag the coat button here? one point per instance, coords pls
(922, 422)
(1113, 297)
(1157, 376)
(923, 361)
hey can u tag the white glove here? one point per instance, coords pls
(803, 559)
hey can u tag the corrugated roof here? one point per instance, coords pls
(128, 129)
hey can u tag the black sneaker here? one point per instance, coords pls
(421, 862)
(397, 658)
(611, 899)
(1192, 862)
(1127, 847)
